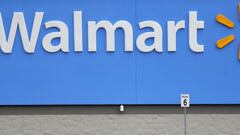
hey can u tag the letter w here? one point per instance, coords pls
(18, 21)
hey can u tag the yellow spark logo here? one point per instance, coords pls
(221, 43)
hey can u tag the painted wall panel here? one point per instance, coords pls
(121, 77)
(211, 77)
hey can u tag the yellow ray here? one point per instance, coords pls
(239, 52)
(224, 20)
(239, 11)
(225, 41)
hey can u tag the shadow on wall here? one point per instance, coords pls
(114, 109)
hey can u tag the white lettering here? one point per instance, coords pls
(110, 32)
(172, 34)
(78, 31)
(194, 25)
(62, 35)
(18, 21)
(156, 34)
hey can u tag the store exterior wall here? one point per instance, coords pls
(107, 120)
(89, 61)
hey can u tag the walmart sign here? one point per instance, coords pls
(118, 52)
(29, 44)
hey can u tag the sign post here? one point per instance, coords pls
(185, 104)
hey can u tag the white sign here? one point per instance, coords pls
(185, 100)
(29, 41)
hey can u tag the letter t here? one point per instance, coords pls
(194, 25)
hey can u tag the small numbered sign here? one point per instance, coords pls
(185, 100)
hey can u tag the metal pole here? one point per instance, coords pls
(185, 120)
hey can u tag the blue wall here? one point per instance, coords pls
(122, 77)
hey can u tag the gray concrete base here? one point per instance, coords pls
(107, 120)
